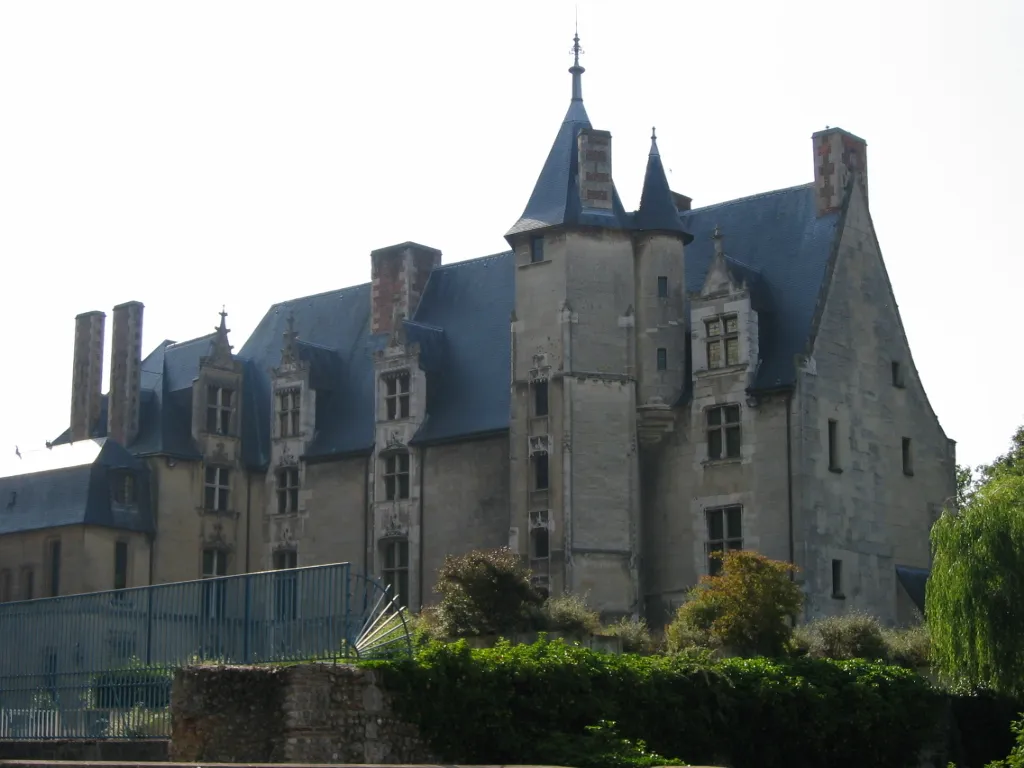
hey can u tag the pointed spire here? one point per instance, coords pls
(657, 211)
(576, 70)
(221, 347)
(718, 237)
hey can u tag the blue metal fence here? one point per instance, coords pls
(100, 665)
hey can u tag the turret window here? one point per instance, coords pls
(662, 359)
(723, 341)
(723, 432)
(662, 287)
(217, 490)
(289, 412)
(396, 396)
(536, 249)
(396, 476)
(122, 488)
(218, 410)
(287, 490)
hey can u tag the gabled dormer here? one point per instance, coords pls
(217, 393)
(724, 316)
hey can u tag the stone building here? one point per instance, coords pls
(615, 397)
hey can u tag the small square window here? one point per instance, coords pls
(536, 249)
(662, 359)
(662, 287)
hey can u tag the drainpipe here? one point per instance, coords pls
(789, 490)
(422, 468)
(367, 514)
(248, 516)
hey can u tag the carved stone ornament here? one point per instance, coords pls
(219, 455)
(393, 527)
(287, 459)
(393, 441)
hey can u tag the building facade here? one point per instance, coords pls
(616, 397)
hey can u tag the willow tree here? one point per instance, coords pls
(975, 598)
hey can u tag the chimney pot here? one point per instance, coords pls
(838, 155)
(125, 373)
(87, 374)
(398, 276)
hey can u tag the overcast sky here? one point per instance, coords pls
(197, 154)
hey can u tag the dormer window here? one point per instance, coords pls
(287, 490)
(396, 397)
(218, 410)
(289, 412)
(723, 341)
(396, 477)
(122, 488)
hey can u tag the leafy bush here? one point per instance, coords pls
(513, 704)
(852, 636)
(682, 637)
(1016, 757)
(601, 746)
(635, 635)
(569, 613)
(485, 592)
(909, 647)
(746, 608)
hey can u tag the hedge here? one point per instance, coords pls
(517, 703)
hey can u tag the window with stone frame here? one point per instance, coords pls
(219, 402)
(287, 490)
(723, 341)
(286, 585)
(217, 491)
(396, 396)
(541, 480)
(724, 533)
(215, 565)
(122, 488)
(289, 412)
(540, 398)
(723, 427)
(395, 572)
(396, 476)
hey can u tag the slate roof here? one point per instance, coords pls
(657, 211)
(915, 581)
(780, 236)
(68, 485)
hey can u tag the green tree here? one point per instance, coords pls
(964, 485)
(745, 608)
(975, 596)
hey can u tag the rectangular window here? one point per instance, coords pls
(121, 565)
(396, 476)
(286, 585)
(662, 287)
(540, 398)
(723, 342)
(837, 578)
(122, 488)
(218, 410)
(215, 564)
(662, 359)
(723, 432)
(289, 412)
(5, 586)
(908, 458)
(725, 533)
(396, 569)
(28, 583)
(396, 397)
(540, 472)
(833, 445)
(53, 561)
(218, 489)
(539, 543)
(536, 249)
(897, 374)
(287, 490)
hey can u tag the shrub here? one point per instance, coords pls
(682, 637)
(513, 704)
(485, 592)
(852, 636)
(1016, 757)
(569, 613)
(634, 634)
(747, 607)
(908, 647)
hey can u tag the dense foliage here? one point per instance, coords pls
(746, 608)
(975, 597)
(517, 704)
(860, 636)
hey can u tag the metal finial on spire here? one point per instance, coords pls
(654, 134)
(223, 318)
(576, 70)
(654, 143)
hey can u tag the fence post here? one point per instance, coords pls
(149, 626)
(247, 619)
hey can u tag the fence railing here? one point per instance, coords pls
(100, 665)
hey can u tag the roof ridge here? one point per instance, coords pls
(747, 198)
(742, 264)
(278, 304)
(425, 326)
(474, 260)
(314, 345)
(192, 341)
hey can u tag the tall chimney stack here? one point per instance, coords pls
(125, 373)
(398, 276)
(595, 168)
(87, 376)
(837, 155)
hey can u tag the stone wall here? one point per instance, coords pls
(100, 750)
(308, 713)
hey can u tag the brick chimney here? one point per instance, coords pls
(397, 278)
(125, 373)
(595, 168)
(87, 375)
(837, 154)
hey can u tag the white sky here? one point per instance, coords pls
(194, 154)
